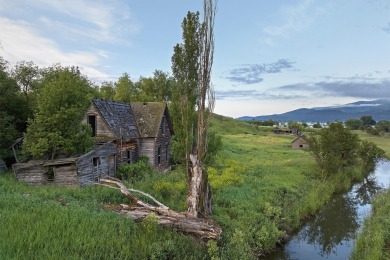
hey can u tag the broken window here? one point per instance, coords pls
(92, 123)
(159, 155)
(163, 125)
(130, 156)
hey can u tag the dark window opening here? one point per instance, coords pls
(130, 155)
(163, 125)
(301, 145)
(96, 161)
(50, 174)
(92, 123)
(159, 155)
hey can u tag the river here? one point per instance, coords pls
(331, 234)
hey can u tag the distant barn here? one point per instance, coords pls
(300, 142)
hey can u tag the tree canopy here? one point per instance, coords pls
(56, 128)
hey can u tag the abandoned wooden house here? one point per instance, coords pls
(155, 130)
(124, 132)
(114, 122)
(300, 142)
(137, 129)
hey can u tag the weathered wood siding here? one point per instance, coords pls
(148, 149)
(64, 172)
(65, 175)
(123, 147)
(103, 132)
(97, 163)
(163, 140)
(299, 143)
(32, 173)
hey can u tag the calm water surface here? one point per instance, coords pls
(331, 234)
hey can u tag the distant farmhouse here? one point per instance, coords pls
(292, 131)
(300, 142)
(123, 132)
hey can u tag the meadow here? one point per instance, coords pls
(262, 191)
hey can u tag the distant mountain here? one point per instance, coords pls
(378, 109)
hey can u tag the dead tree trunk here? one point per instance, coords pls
(199, 196)
(201, 228)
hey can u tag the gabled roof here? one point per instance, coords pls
(119, 118)
(149, 116)
(303, 137)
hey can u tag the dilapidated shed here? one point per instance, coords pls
(76, 171)
(52, 172)
(300, 142)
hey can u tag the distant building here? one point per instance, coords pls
(300, 142)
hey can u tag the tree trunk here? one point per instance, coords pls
(199, 195)
(202, 228)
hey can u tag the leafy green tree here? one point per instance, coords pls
(354, 124)
(11, 100)
(185, 69)
(317, 125)
(295, 125)
(107, 90)
(8, 135)
(124, 89)
(56, 129)
(334, 148)
(370, 154)
(156, 88)
(27, 76)
(368, 121)
(383, 126)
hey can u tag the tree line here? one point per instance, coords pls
(46, 105)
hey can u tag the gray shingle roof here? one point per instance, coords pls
(119, 117)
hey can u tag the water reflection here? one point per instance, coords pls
(334, 225)
(332, 232)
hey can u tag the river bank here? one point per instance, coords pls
(374, 240)
(332, 233)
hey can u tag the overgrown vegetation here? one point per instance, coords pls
(262, 189)
(373, 242)
(133, 172)
(62, 223)
(336, 149)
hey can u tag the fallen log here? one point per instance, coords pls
(202, 228)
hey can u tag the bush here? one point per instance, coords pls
(133, 172)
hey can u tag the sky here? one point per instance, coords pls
(270, 56)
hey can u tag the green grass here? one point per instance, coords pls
(374, 241)
(382, 141)
(262, 190)
(61, 223)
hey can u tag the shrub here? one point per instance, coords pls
(133, 172)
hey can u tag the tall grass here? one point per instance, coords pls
(373, 242)
(61, 223)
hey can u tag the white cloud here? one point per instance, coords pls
(20, 41)
(295, 18)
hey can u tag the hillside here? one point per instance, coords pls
(378, 109)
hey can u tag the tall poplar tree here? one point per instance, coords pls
(193, 102)
(185, 70)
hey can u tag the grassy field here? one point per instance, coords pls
(262, 190)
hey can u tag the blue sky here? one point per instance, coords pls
(270, 56)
